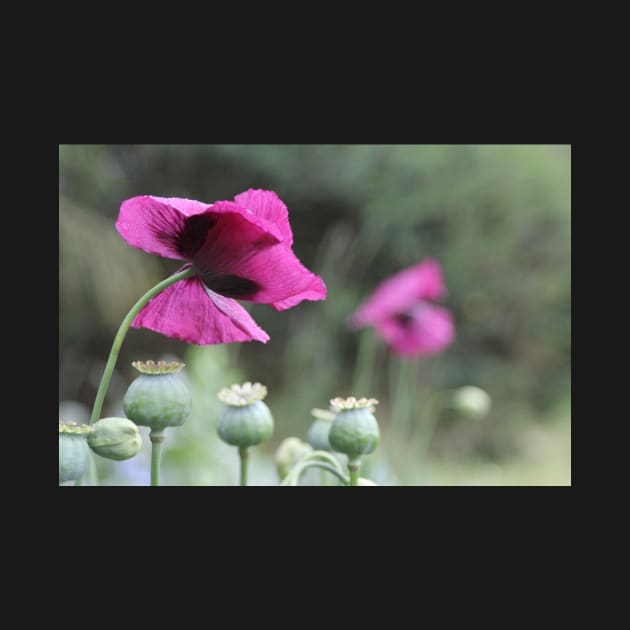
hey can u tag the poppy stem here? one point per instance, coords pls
(354, 466)
(244, 456)
(122, 331)
(314, 460)
(157, 437)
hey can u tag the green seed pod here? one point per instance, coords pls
(317, 435)
(159, 397)
(472, 402)
(74, 453)
(366, 482)
(245, 419)
(355, 430)
(115, 438)
(291, 449)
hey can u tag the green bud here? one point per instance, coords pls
(74, 454)
(355, 430)
(472, 402)
(291, 449)
(115, 438)
(159, 397)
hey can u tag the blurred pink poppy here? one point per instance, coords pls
(401, 314)
(240, 249)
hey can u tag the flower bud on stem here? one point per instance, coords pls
(120, 336)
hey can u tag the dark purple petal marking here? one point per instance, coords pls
(230, 285)
(192, 234)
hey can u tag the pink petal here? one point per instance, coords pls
(316, 290)
(188, 311)
(241, 261)
(399, 292)
(267, 205)
(154, 224)
(187, 207)
(428, 330)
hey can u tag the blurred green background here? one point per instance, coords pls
(497, 218)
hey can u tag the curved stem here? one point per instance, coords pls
(157, 438)
(122, 331)
(324, 466)
(244, 455)
(293, 477)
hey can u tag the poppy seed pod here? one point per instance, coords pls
(245, 419)
(74, 453)
(291, 449)
(159, 397)
(319, 430)
(355, 430)
(115, 438)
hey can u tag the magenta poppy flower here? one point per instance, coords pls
(401, 314)
(240, 249)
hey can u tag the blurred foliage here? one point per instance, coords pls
(497, 217)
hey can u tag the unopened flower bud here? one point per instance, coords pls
(115, 438)
(159, 397)
(355, 430)
(291, 449)
(472, 402)
(245, 420)
(74, 453)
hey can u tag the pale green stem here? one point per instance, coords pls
(93, 471)
(157, 438)
(293, 476)
(354, 466)
(244, 456)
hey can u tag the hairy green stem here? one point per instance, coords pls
(244, 455)
(122, 331)
(157, 438)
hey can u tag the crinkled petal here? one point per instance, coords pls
(267, 205)
(177, 228)
(316, 290)
(399, 292)
(428, 330)
(155, 224)
(240, 262)
(190, 312)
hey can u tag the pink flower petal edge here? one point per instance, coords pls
(267, 205)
